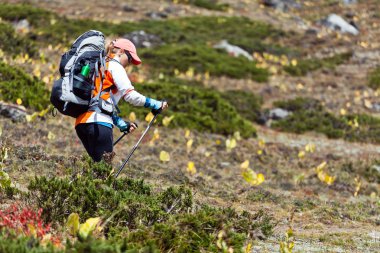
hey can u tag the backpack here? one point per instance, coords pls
(72, 93)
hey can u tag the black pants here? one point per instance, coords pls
(97, 139)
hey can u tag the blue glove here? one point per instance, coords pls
(120, 123)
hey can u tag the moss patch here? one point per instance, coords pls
(310, 115)
(305, 66)
(195, 108)
(15, 83)
(374, 79)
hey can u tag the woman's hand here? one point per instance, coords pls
(132, 127)
(164, 105)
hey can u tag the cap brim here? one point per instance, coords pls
(135, 59)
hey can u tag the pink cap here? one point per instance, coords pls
(130, 47)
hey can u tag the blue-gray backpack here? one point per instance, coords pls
(79, 67)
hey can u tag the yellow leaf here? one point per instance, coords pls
(164, 156)
(261, 143)
(301, 154)
(207, 154)
(245, 165)
(310, 148)
(149, 117)
(191, 168)
(51, 136)
(132, 117)
(324, 177)
(166, 120)
(86, 228)
(368, 104)
(187, 133)
(343, 112)
(230, 143)
(218, 142)
(176, 72)
(321, 167)
(32, 230)
(294, 62)
(260, 178)
(190, 73)
(237, 136)
(259, 152)
(32, 117)
(248, 249)
(43, 112)
(189, 145)
(156, 135)
(207, 75)
(19, 101)
(72, 223)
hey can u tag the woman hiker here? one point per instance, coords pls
(94, 128)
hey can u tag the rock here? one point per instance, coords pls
(141, 39)
(22, 26)
(233, 50)
(156, 15)
(347, 2)
(128, 8)
(336, 22)
(15, 112)
(283, 5)
(376, 107)
(278, 114)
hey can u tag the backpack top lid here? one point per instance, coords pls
(93, 39)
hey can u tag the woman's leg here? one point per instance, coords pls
(96, 139)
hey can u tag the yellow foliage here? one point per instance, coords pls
(245, 165)
(88, 227)
(324, 176)
(189, 145)
(301, 154)
(132, 117)
(237, 135)
(191, 168)
(230, 144)
(149, 117)
(72, 223)
(51, 136)
(187, 133)
(164, 156)
(166, 120)
(252, 178)
(310, 147)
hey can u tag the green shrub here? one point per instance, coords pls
(189, 30)
(194, 108)
(13, 44)
(203, 59)
(141, 218)
(247, 104)
(305, 66)
(15, 83)
(310, 115)
(374, 79)
(207, 4)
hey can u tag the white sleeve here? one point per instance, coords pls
(124, 85)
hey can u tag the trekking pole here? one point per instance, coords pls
(119, 139)
(135, 147)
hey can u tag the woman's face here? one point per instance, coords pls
(123, 59)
